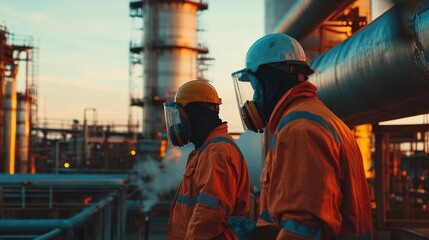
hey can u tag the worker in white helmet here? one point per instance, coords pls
(313, 184)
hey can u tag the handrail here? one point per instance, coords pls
(108, 212)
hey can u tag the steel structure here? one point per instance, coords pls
(16, 112)
(401, 188)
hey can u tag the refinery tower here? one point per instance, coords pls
(166, 50)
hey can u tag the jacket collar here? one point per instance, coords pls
(303, 90)
(215, 132)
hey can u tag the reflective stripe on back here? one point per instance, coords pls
(221, 139)
(307, 116)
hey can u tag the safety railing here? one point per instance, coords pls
(82, 211)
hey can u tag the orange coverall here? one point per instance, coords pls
(215, 185)
(313, 184)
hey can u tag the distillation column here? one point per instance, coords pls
(15, 113)
(169, 54)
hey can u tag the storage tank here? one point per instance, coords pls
(23, 132)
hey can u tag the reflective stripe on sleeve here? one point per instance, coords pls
(203, 199)
(209, 201)
(213, 202)
(186, 200)
(299, 229)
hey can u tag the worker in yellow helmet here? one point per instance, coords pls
(313, 183)
(215, 184)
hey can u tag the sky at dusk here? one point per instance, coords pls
(83, 52)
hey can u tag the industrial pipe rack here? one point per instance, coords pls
(63, 206)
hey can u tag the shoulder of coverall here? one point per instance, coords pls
(317, 116)
(219, 134)
(303, 90)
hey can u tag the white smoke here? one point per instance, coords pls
(157, 178)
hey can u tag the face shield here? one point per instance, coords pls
(245, 84)
(177, 124)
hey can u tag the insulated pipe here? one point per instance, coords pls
(23, 114)
(306, 15)
(381, 72)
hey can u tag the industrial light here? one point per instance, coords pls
(133, 152)
(66, 165)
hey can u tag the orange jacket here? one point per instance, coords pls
(215, 185)
(313, 184)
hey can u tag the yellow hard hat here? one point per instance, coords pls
(197, 91)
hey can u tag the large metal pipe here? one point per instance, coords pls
(381, 72)
(306, 15)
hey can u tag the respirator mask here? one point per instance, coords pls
(247, 90)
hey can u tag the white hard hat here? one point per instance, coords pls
(275, 47)
(281, 52)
